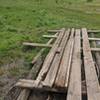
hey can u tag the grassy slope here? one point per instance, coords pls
(27, 20)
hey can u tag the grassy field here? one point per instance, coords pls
(28, 20)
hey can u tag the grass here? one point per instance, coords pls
(28, 20)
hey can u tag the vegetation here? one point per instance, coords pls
(27, 20)
(89, 0)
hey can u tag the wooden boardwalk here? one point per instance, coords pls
(70, 70)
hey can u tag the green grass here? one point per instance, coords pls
(27, 20)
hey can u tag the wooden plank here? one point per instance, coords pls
(29, 84)
(93, 31)
(74, 89)
(49, 36)
(53, 31)
(97, 56)
(95, 49)
(36, 45)
(94, 39)
(61, 76)
(93, 88)
(24, 94)
(49, 58)
(69, 63)
(42, 50)
(50, 78)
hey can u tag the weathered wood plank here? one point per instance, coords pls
(74, 89)
(69, 62)
(50, 78)
(49, 36)
(29, 84)
(93, 88)
(95, 49)
(37, 44)
(97, 56)
(93, 31)
(49, 58)
(53, 31)
(61, 76)
(94, 39)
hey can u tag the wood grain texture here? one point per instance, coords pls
(50, 78)
(93, 88)
(61, 76)
(74, 88)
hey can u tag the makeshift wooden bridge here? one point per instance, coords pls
(70, 70)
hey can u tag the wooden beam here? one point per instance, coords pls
(93, 87)
(29, 84)
(95, 49)
(53, 31)
(49, 36)
(37, 45)
(94, 39)
(70, 60)
(93, 31)
(74, 89)
(97, 57)
(64, 64)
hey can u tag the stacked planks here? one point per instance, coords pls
(61, 75)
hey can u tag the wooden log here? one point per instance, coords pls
(49, 36)
(50, 78)
(61, 76)
(36, 45)
(93, 91)
(74, 89)
(49, 58)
